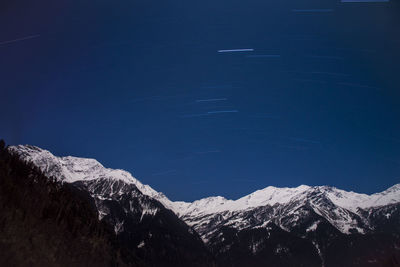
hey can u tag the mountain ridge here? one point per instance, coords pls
(300, 226)
(149, 233)
(71, 172)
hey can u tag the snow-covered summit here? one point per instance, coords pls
(352, 201)
(71, 169)
(271, 195)
(271, 220)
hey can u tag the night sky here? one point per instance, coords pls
(144, 86)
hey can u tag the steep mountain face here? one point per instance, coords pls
(141, 224)
(333, 235)
(302, 226)
(45, 223)
(144, 225)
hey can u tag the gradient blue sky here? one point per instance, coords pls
(315, 100)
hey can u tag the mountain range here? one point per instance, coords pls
(301, 226)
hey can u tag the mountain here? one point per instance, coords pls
(302, 226)
(45, 223)
(144, 232)
(338, 228)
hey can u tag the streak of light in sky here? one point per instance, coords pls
(222, 111)
(236, 50)
(327, 10)
(211, 100)
(20, 39)
(364, 1)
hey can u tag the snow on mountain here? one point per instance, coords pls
(337, 206)
(352, 200)
(274, 195)
(267, 196)
(71, 169)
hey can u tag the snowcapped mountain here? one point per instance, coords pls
(141, 223)
(71, 169)
(273, 195)
(342, 209)
(264, 225)
(339, 207)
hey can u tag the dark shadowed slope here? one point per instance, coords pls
(302, 226)
(44, 222)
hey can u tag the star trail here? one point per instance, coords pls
(209, 98)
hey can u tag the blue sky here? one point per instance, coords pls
(200, 98)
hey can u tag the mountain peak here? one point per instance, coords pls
(71, 169)
(392, 189)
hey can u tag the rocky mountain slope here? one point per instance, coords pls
(302, 226)
(45, 223)
(98, 222)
